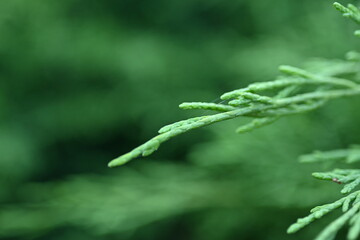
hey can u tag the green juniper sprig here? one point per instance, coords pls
(290, 96)
(320, 211)
(349, 177)
(350, 204)
(350, 11)
(295, 91)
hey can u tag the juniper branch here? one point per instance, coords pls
(351, 179)
(248, 102)
(320, 211)
(257, 105)
(291, 97)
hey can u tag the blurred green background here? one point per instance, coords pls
(85, 81)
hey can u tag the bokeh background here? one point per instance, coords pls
(83, 81)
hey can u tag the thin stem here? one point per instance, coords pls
(326, 95)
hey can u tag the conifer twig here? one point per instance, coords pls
(251, 104)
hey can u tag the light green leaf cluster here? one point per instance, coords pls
(351, 212)
(350, 204)
(349, 177)
(350, 11)
(296, 91)
(290, 95)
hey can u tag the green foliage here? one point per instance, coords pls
(350, 11)
(249, 103)
(82, 81)
(289, 95)
(349, 177)
(333, 228)
(350, 155)
(350, 203)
